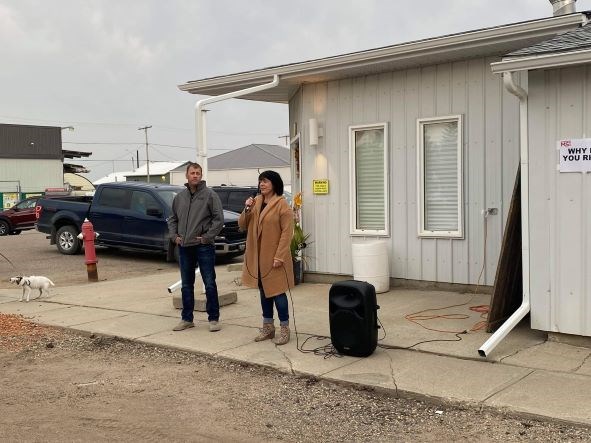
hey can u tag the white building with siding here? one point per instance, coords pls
(24, 151)
(420, 143)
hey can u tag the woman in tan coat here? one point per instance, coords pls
(268, 265)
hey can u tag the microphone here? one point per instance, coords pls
(253, 196)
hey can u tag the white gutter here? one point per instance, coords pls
(200, 121)
(545, 61)
(522, 311)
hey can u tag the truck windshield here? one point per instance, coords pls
(167, 196)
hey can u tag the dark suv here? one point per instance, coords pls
(18, 218)
(233, 197)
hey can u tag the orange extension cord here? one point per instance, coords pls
(416, 317)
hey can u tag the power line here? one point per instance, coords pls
(101, 143)
(137, 144)
(160, 127)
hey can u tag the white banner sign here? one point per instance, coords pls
(575, 155)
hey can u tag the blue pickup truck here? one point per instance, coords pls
(130, 215)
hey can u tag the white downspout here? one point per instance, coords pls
(200, 117)
(522, 311)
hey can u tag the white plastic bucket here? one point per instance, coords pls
(370, 264)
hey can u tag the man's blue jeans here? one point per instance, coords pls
(191, 257)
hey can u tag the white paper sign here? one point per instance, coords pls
(575, 155)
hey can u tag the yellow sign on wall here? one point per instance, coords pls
(320, 186)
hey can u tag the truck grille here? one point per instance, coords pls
(231, 232)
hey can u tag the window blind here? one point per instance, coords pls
(369, 179)
(441, 185)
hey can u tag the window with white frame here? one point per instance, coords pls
(440, 177)
(369, 179)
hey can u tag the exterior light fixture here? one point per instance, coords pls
(315, 132)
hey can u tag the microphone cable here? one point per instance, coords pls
(327, 350)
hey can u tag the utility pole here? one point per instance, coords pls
(145, 129)
(286, 137)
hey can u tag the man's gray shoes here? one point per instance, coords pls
(183, 325)
(214, 326)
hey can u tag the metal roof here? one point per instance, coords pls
(67, 153)
(493, 41)
(156, 168)
(112, 177)
(251, 156)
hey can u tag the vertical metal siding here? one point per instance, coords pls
(398, 177)
(560, 208)
(34, 175)
(308, 171)
(459, 97)
(345, 118)
(475, 167)
(320, 206)
(334, 243)
(491, 155)
(493, 182)
(443, 102)
(412, 91)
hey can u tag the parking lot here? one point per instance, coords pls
(31, 254)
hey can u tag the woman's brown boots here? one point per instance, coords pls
(267, 332)
(283, 336)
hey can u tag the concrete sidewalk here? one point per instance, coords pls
(525, 374)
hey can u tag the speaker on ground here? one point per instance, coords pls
(353, 317)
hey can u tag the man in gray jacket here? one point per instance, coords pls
(197, 217)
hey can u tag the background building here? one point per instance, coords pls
(31, 160)
(160, 172)
(242, 166)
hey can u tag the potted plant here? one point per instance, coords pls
(298, 241)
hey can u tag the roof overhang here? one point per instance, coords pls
(488, 42)
(75, 169)
(546, 61)
(75, 154)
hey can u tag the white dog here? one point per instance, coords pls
(32, 282)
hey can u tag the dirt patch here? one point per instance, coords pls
(61, 386)
(16, 333)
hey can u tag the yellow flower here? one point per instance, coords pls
(297, 200)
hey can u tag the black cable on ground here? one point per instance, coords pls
(326, 351)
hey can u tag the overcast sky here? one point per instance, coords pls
(108, 67)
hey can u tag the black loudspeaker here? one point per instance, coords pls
(353, 316)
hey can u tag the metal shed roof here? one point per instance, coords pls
(251, 156)
(156, 168)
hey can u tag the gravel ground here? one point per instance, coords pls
(61, 386)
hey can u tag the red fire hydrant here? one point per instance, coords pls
(88, 235)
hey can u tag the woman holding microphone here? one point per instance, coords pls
(268, 266)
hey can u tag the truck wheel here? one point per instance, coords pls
(66, 241)
(4, 228)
